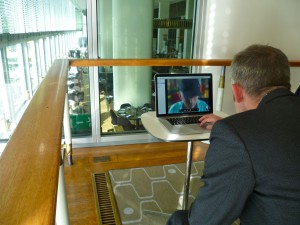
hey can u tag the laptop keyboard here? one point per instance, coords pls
(184, 120)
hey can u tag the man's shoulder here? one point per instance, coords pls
(176, 104)
(199, 101)
(175, 107)
(241, 116)
(238, 122)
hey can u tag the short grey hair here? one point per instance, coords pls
(260, 67)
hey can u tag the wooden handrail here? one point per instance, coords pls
(30, 162)
(158, 62)
(149, 62)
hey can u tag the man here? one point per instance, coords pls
(189, 93)
(252, 166)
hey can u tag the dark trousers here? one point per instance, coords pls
(179, 217)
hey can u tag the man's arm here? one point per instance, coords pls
(228, 178)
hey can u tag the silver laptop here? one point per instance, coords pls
(181, 99)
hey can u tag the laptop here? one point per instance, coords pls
(183, 97)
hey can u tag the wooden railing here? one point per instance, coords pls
(158, 62)
(30, 162)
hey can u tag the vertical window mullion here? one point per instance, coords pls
(38, 60)
(26, 69)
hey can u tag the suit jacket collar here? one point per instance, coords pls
(274, 94)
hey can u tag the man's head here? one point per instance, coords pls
(189, 92)
(257, 70)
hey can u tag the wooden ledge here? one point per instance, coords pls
(158, 62)
(149, 62)
(30, 162)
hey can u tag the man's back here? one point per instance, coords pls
(271, 135)
(257, 177)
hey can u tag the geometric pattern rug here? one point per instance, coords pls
(149, 195)
(144, 196)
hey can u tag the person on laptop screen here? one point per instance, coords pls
(189, 93)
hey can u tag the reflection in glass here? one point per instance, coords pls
(79, 101)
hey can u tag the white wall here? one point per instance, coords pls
(231, 25)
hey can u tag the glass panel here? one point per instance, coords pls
(121, 108)
(32, 63)
(78, 80)
(52, 49)
(167, 33)
(47, 52)
(16, 76)
(14, 89)
(79, 101)
(172, 29)
(42, 57)
(4, 107)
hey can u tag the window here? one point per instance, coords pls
(16, 79)
(32, 37)
(167, 28)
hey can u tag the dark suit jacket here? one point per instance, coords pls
(252, 167)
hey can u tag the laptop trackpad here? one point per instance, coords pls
(184, 128)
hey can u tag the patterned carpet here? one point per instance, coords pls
(149, 195)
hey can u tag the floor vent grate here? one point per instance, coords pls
(107, 210)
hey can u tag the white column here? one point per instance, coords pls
(189, 12)
(132, 38)
(105, 29)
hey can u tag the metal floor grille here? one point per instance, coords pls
(107, 210)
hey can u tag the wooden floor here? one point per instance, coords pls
(78, 177)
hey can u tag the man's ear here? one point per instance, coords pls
(237, 91)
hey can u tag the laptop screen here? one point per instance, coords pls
(183, 94)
